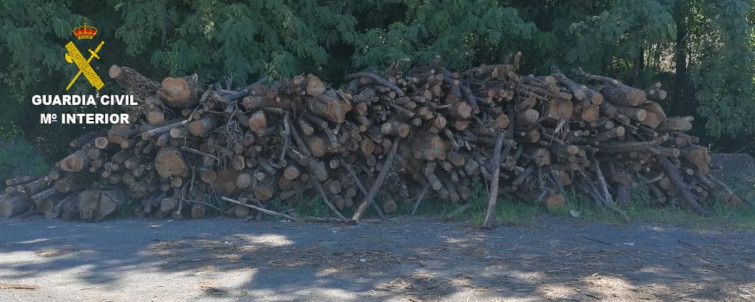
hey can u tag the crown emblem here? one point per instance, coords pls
(85, 32)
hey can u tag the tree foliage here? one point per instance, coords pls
(464, 33)
(701, 50)
(723, 75)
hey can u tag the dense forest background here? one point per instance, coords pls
(702, 51)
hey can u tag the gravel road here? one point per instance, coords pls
(417, 259)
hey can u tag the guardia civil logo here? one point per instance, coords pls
(74, 56)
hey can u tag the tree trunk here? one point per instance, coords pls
(682, 94)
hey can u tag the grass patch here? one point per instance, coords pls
(514, 211)
(509, 211)
(644, 208)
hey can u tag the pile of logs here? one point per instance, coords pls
(376, 142)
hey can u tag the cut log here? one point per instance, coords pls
(590, 114)
(656, 93)
(395, 128)
(574, 88)
(25, 179)
(635, 113)
(316, 145)
(169, 162)
(258, 122)
(179, 92)
(428, 146)
(698, 155)
(624, 95)
(528, 117)
(71, 183)
(460, 110)
(12, 205)
(329, 106)
(389, 205)
(560, 109)
(655, 114)
(554, 202)
(291, 172)
(501, 122)
(675, 124)
(155, 116)
(243, 181)
(618, 93)
(203, 126)
(226, 182)
(596, 98)
(315, 86)
(95, 205)
(101, 142)
(34, 187)
(75, 162)
(265, 189)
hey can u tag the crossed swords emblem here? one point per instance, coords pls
(75, 57)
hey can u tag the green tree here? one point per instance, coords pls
(700, 50)
(723, 71)
(463, 33)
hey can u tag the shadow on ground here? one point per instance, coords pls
(403, 260)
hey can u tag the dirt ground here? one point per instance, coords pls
(418, 259)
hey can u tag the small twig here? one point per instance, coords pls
(197, 152)
(378, 183)
(297, 139)
(655, 179)
(601, 180)
(720, 183)
(266, 211)
(191, 183)
(683, 187)
(286, 145)
(490, 212)
(608, 199)
(556, 180)
(162, 129)
(204, 203)
(402, 109)
(359, 184)
(375, 78)
(242, 93)
(458, 211)
(419, 199)
(326, 201)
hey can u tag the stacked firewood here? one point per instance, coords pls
(377, 142)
